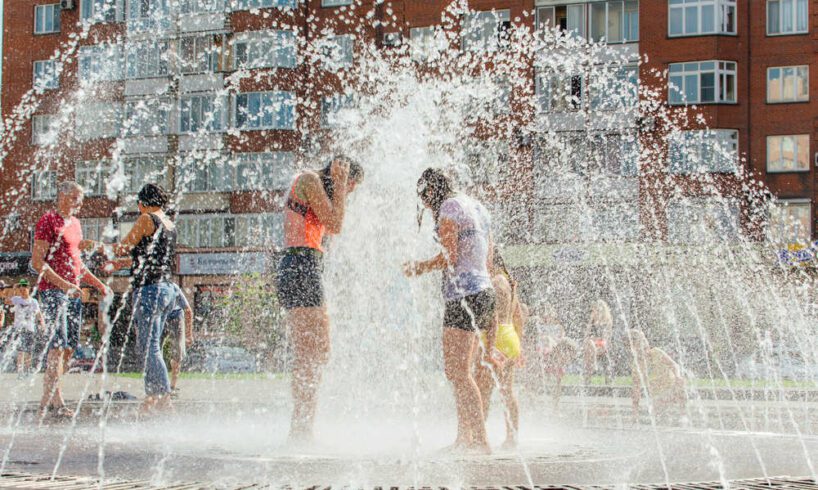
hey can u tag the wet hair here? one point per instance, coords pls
(356, 173)
(434, 187)
(153, 195)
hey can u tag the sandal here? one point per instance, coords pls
(58, 413)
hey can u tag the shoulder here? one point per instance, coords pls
(47, 220)
(451, 207)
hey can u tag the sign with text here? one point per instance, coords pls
(15, 264)
(222, 263)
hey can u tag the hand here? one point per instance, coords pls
(109, 267)
(339, 172)
(73, 292)
(411, 269)
(105, 291)
(188, 341)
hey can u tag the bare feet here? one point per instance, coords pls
(509, 444)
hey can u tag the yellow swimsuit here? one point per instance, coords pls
(506, 340)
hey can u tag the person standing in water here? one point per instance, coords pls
(463, 228)
(511, 316)
(315, 207)
(26, 312)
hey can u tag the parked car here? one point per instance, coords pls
(778, 363)
(213, 358)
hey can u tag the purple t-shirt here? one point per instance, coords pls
(470, 274)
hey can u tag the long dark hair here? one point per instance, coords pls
(153, 195)
(434, 187)
(356, 173)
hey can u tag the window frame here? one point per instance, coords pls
(780, 203)
(469, 43)
(276, 40)
(719, 19)
(715, 136)
(781, 32)
(56, 18)
(805, 136)
(35, 180)
(217, 101)
(82, 170)
(623, 25)
(55, 78)
(782, 100)
(91, 17)
(719, 74)
(37, 121)
(283, 97)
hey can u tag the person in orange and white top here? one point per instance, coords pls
(315, 207)
(655, 374)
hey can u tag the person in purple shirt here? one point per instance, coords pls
(463, 227)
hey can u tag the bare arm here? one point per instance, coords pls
(143, 227)
(443, 260)
(188, 325)
(329, 212)
(636, 388)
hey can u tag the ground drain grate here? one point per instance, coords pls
(20, 481)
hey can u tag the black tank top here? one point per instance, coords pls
(154, 256)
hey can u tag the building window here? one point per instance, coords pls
(91, 175)
(698, 17)
(146, 117)
(146, 59)
(201, 113)
(705, 151)
(337, 52)
(702, 220)
(259, 230)
(614, 22)
(260, 4)
(787, 17)
(97, 229)
(331, 105)
(98, 120)
(201, 6)
(209, 175)
(143, 170)
(615, 88)
(568, 18)
(45, 75)
(559, 93)
(47, 18)
(102, 10)
(265, 110)
(426, 43)
(788, 84)
(43, 185)
(790, 222)
(221, 231)
(99, 63)
(44, 130)
(616, 222)
(788, 153)
(264, 171)
(485, 31)
(199, 54)
(265, 49)
(148, 15)
(702, 82)
(335, 3)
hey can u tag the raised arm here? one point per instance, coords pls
(329, 212)
(143, 227)
(448, 238)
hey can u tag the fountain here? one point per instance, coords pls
(572, 156)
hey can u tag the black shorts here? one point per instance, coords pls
(472, 311)
(299, 278)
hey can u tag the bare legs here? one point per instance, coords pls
(23, 362)
(309, 328)
(52, 394)
(506, 381)
(175, 367)
(459, 348)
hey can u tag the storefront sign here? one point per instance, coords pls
(15, 264)
(798, 255)
(227, 263)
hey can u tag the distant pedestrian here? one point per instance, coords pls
(56, 258)
(27, 317)
(656, 375)
(596, 344)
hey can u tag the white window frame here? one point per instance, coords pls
(210, 125)
(282, 98)
(485, 20)
(273, 170)
(99, 11)
(146, 59)
(194, 175)
(141, 170)
(796, 74)
(578, 30)
(607, 6)
(795, 17)
(41, 14)
(43, 129)
(335, 3)
(719, 146)
(337, 52)
(43, 185)
(92, 176)
(201, 6)
(720, 72)
(204, 54)
(614, 88)
(705, 207)
(95, 228)
(547, 85)
(792, 226)
(45, 76)
(92, 120)
(282, 43)
(137, 114)
(239, 5)
(720, 9)
(331, 105)
(100, 63)
(798, 139)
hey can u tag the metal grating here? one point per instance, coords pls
(27, 481)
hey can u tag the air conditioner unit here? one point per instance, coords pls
(67, 4)
(392, 39)
(816, 159)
